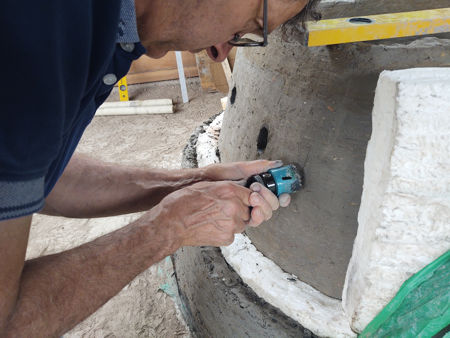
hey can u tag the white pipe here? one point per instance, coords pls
(140, 110)
(182, 77)
(157, 102)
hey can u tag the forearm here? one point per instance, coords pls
(91, 188)
(59, 291)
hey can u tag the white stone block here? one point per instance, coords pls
(404, 219)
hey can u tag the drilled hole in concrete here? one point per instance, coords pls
(262, 140)
(233, 95)
(360, 20)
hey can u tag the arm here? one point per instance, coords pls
(58, 291)
(13, 246)
(91, 188)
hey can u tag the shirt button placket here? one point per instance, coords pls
(127, 47)
(110, 79)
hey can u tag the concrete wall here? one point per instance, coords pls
(316, 104)
(404, 219)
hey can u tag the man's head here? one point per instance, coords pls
(195, 25)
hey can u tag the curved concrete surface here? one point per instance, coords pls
(316, 106)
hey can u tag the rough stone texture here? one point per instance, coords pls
(316, 104)
(404, 219)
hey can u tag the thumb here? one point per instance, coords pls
(261, 166)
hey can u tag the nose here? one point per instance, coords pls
(219, 52)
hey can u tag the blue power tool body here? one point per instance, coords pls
(283, 180)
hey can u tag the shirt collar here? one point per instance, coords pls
(127, 23)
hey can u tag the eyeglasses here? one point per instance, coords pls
(250, 42)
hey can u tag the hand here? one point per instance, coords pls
(242, 171)
(237, 170)
(210, 213)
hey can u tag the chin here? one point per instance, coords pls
(156, 54)
(195, 51)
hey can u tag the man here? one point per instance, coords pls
(61, 60)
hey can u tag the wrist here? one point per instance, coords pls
(163, 228)
(203, 174)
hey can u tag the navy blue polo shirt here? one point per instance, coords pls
(60, 60)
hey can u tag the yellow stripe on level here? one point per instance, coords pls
(376, 27)
(123, 89)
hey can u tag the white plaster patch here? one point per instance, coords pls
(317, 312)
(207, 143)
(404, 219)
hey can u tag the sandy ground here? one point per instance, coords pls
(144, 308)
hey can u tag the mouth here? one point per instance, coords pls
(212, 52)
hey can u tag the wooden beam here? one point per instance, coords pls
(232, 57)
(204, 71)
(146, 69)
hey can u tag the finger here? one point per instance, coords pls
(259, 166)
(285, 200)
(270, 197)
(257, 201)
(230, 189)
(240, 210)
(257, 217)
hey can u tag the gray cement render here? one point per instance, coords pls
(331, 9)
(218, 304)
(316, 104)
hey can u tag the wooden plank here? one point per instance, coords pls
(160, 75)
(219, 77)
(204, 71)
(232, 57)
(228, 74)
(146, 69)
(214, 76)
(376, 27)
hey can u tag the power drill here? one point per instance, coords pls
(283, 180)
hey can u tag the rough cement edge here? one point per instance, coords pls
(319, 313)
(361, 247)
(189, 158)
(239, 298)
(359, 307)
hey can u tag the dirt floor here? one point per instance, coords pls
(144, 308)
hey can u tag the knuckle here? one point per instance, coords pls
(227, 189)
